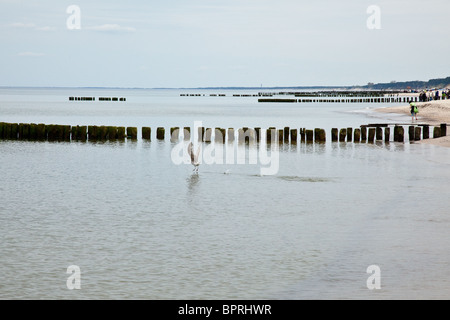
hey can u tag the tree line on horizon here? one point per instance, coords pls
(413, 85)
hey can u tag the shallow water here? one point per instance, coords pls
(141, 227)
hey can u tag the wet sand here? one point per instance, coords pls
(433, 112)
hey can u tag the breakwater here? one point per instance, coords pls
(99, 99)
(369, 133)
(322, 97)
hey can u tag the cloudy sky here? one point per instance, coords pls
(211, 43)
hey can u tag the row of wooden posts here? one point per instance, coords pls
(23, 131)
(99, 99)
(366, 133)
(383, 133)
(344, 100)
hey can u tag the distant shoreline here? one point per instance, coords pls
(433, 112)
(206, 88)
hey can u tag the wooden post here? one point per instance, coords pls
(201, 134)
(320, 136)
(323, 135)
(174, 134)
(20, 135)
(112, 133)
(372, 133)
(342, 135)
(2, 130)
(418, 133)
(26, 131)
(280, 136)
(426, 132)
(92, 133)
(258, 135)
(357, 135)
(379, 133)
(74, 133)
(121, 133)
(293, 136)
(102, 133)
(250, 134)
(82, 132)
(224, 134)
(396, 133)
(14, 131)
(41, 132)
(286, 134)
(7, 131)
(363, 134)
(160, 133)
(219, 135)
(270, 133)
(349, 134)
(436, 132)
(208, 135)
(56, 132)
(33, 132)
(241, 136)
(443, 130)
(387, 134)
(401, 134)
(230, 135)
(146, 133)
(60, 132)
(303, 135)
(309, 136)
(132, 133)
(411, 133)
(187, 133)
(66, 134)
(52, 132)
(334, 134)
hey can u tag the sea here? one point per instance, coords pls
(124, 220)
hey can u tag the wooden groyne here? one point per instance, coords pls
(370, 133)
(99, 99)
(52, 132)
(322, 96)
(342, 100)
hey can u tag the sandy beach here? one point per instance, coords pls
(433, 112)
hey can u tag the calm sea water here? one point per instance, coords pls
(140, 227)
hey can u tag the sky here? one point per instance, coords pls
(222, 43)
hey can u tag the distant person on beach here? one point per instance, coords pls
(414, 110)
(423, 96)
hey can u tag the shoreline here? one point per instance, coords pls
(433, 112)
